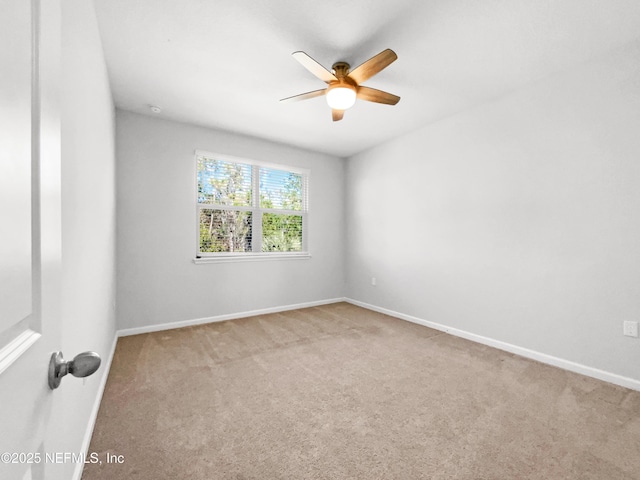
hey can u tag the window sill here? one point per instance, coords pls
(257, 257)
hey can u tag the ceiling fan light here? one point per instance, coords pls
(341, 98)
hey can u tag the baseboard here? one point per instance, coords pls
(507, 347)
(106, 367)
(221, 318)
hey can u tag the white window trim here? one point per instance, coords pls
(213, 257)
(252, 257)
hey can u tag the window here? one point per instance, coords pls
(250, 209)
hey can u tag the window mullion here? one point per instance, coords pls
(256, 220)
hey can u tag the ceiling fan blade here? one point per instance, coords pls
(314, 67)
(337, 114)
(378, 96)
(372, 66)
(304, 96)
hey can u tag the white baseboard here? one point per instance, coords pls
(106, 367)
(507, 347)
(221, 318)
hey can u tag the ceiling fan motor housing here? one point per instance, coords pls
(341, 69)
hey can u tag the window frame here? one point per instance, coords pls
(256, 212)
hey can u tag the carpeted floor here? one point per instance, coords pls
(340, 392)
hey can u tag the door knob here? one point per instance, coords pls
(83, 365)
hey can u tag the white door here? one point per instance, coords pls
(29, 230)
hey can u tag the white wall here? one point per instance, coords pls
(88, 220)
(517, 220)
(157, 279)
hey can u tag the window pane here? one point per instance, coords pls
(280, 189)
(225, 231)
(224, 183)
(281, 233)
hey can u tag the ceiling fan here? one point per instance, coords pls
(344, 84)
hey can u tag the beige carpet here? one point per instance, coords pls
(339, 392)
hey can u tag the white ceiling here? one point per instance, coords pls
(225, 64)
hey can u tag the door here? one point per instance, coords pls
(29, 230)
